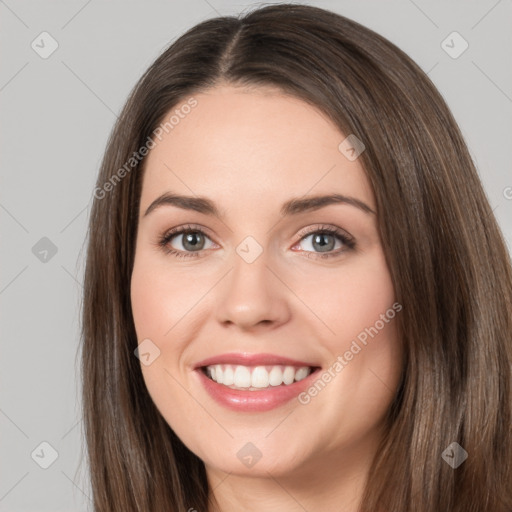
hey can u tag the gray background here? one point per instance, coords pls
(57, 114)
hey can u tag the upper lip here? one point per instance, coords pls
(246, 359)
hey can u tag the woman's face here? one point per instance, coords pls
(295, 322)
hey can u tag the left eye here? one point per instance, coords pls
(322, 242)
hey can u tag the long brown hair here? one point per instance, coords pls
(448, 262)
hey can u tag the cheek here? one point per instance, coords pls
(166, 309)
(358, 311)
(158, 303)
(159, 298)
(350, 299)
(146, 294)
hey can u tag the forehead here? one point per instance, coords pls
(257, 145)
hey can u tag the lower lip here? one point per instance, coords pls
(254, 401)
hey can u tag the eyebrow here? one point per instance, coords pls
(293, 206)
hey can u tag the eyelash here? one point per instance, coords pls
(329, 230)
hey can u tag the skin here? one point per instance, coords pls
(249, 151)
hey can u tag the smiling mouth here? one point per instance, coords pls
(256, 378)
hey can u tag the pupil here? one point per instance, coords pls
(324, 246)
(189, 240)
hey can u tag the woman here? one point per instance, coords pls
(296, 294)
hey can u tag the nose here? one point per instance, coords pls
(253, 296)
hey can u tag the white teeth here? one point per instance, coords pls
(228, 377)
(219, 374)
(275, 377)
(289, 375)
(259, 377)
(256, 377)
(301, 373)
(242, 377)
